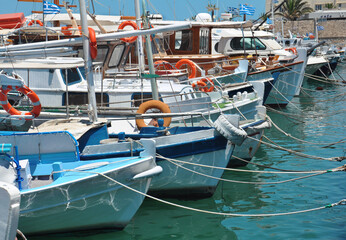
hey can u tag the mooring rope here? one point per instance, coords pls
(341, 168)
(254, 183)
(300, 140)
(341, 202)
(276, 146)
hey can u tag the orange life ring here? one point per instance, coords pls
(163, 107)
(293, 50)
(66, 30)
(35, 112)
(34, 21)
(163, 65)
(92, 43)
(133, 25)
(202, 85)
(190, 64)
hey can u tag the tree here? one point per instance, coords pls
(329, 5)
(293, 9)
(211, 8)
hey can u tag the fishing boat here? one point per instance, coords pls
(61, 193)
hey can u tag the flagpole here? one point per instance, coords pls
(44, 24)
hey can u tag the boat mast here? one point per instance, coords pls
(154, 90)
(140, 52)
(92, 110)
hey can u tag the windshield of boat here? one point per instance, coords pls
(249, 43)
(73, 75)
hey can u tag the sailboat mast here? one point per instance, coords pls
(154, 90)
(140, 52)
(88, 63)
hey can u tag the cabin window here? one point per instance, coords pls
(204, 41)
(117, 54)
(183, 40)
(81, 98)
(101, 53)
(72, 76)
(247, 43)
(318, 7)
(139, 98)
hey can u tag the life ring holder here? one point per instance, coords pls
(92, 43)
(35, 21)
(133, 25)
(190, 64)
(156, 104)
(36, 110)
(202, 85)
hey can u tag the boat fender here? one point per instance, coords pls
(93, 43)
(35, 112)
(133, 25)
(226, 125)
(265, 125)
(35, 21)
(153, 104)
(190, 64)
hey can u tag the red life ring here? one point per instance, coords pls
(191, 65)
(133, 25)
(202, 85)
(163, 107)
(34, 21)
(92, 43)
(35, 112)
(293, 50)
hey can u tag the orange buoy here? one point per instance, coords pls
(35, 112)
(191, 65)
(133, 25)
(144, 107)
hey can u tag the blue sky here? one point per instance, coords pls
(170, 9)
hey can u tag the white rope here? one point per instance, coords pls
(342, 202)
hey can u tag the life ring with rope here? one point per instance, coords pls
(133, 25)
(36, 110)
(153, 104)
(191, 66)
(35, 21)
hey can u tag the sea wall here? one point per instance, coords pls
(334, 31)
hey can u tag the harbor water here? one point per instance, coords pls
(317, 119)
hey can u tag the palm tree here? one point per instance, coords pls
(211, 8)
(293, 9)
(329, 5)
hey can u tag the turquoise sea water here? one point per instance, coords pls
(314, 117)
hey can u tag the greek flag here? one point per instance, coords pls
(50, 8)
(233, 10)
(246, 10)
